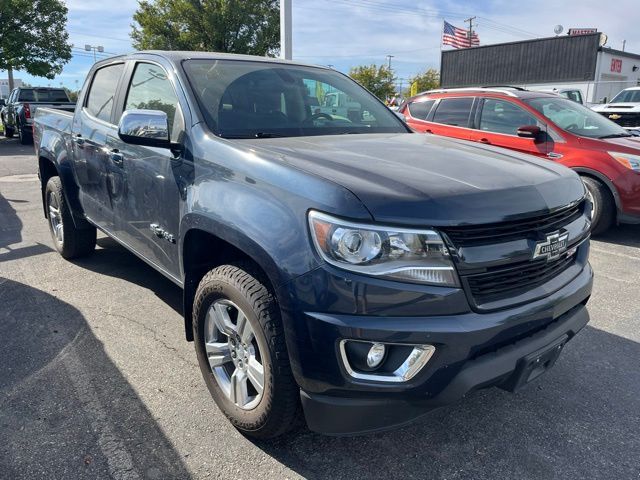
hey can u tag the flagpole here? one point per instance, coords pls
(440, 59)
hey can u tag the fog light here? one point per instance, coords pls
(376, 355)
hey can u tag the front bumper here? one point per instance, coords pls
(473, 351)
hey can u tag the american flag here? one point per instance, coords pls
(458, 37)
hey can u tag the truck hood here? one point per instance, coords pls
(413, 179)
(618, 107)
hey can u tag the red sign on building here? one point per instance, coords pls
(616, 65)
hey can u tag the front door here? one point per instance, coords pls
(154, 178)
(497, 122)
(93, 135)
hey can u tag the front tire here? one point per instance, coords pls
(604, 207)
(241, 350)
(70, 242)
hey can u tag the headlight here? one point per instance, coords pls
(630, 161)
(418, 256)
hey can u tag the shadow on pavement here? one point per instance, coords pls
(11, 146)
(580, 420)
(66, 411)
(627, 235)
(116, 261)
(11, 234)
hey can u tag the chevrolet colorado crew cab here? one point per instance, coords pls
(348, 269)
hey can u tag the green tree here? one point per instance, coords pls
(427, 80)
(33, 37)
(232, 26)
(378, 80)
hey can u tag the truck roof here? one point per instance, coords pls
(176, 56)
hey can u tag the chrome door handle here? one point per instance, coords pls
(485, 141)
(116, 157)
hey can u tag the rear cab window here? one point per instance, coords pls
(101, 97)
(454, 111)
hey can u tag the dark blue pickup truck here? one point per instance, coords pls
(340, 266)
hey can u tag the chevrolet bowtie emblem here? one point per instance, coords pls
(615, 116)
(551, 248)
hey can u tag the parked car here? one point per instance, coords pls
(623, 109)
(574, 94)
(21, 108)
(355, 269)
(605, 155)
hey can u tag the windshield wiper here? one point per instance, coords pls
(269, 135)
(616, 135)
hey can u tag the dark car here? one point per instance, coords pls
(17, 116)
(345, 266)
(545, 125)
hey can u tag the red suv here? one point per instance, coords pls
(606, 156)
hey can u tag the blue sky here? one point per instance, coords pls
(344, 33)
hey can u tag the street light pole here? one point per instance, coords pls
(93, 48)
(286, 36)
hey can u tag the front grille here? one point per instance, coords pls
(625, 120)
(503, 282)
(491, 233)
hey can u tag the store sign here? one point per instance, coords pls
(616, 65)
(582, 31)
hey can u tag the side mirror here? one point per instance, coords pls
(529, 131)
(145, 127)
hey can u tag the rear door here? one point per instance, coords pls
(497, 121)
(417, 112)
(451, 117)
(154, 178)
(93, 135)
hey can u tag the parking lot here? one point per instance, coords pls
(98, 382)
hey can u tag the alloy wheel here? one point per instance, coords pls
(234, 355)
(55, 218)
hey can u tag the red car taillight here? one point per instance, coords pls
(27, 110)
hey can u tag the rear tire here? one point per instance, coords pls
(70, 241)
(241, 291)
(25, 138)
(8, 131)
(604, 207)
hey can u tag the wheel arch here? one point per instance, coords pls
(201, 250)
(587, 172)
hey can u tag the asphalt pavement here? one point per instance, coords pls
(97, 381)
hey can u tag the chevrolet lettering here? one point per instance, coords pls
(551, 248)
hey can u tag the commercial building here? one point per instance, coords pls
(4, 86)
(567, 61)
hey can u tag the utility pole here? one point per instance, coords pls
(470, 30)
(286, 36)
(389, 57)
(624, 44)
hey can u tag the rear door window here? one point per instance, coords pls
(101, 98)
(501, 116)
(420, 110)
(454, 111)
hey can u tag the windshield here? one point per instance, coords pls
(246, 99)
(630, 96)
(576, 118)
